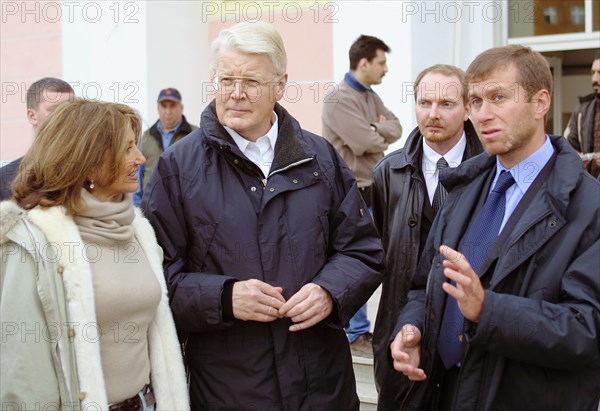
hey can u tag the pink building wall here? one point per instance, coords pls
(30, 48)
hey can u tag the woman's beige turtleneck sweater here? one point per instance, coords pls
(126, 294)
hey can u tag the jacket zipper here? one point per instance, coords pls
(297, 163)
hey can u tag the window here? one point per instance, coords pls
(578, 15)
(550, 15)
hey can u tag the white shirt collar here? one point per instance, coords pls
(242, 143)
(430, 158)
(453, 157)
(261, 152)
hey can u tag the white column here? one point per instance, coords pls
(104, 51)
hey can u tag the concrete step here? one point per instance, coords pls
(367, 396)
(363, 369)
(365, 383)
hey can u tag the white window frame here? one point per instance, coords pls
(554, 42)
(557, 42)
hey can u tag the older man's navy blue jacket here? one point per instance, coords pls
(219, 220)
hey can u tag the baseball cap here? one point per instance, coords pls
(169, 94)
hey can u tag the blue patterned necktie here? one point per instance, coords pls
(440, 192)
(480, 237)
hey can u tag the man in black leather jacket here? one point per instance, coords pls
(403, 194)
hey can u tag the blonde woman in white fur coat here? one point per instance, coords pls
(84, 307)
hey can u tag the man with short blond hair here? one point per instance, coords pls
(406, 199)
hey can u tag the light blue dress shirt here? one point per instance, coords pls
(524, 174)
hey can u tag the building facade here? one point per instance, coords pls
(126, 51)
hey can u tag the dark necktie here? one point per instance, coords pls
(481, 236)
(440, 192)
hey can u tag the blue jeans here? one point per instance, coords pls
(359, 324)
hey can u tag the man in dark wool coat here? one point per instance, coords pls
(504, 310)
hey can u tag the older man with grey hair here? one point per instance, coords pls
(269, 248)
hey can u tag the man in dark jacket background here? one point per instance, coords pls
(509, 321)
(583, 130)
(43, 96)
(405, 186)
(170, 127)
(268, 246)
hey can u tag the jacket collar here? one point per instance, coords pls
(351, 80)
(588, 98)
(185, 127)
(560, 184)
(10, 214)
(289, 149)
(411, 155)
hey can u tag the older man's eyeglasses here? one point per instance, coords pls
(250, 86)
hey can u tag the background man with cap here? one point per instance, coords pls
(170, 128)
